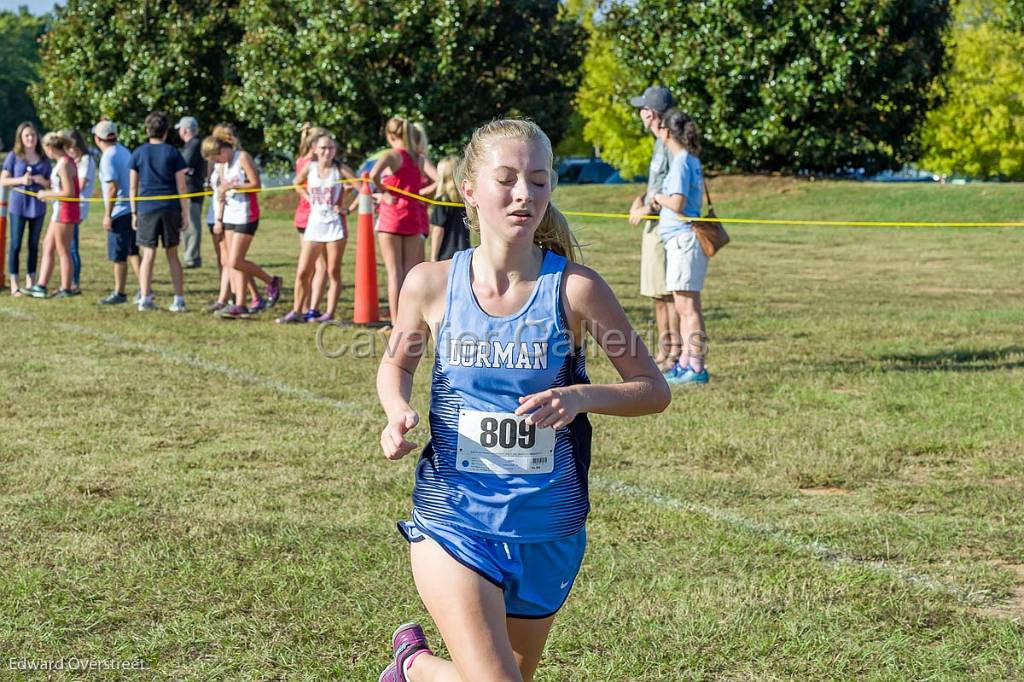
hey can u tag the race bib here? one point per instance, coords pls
(503, 443)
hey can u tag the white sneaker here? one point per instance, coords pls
(146, 304)
(177, 307)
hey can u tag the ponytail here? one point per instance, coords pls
(419, 138)
(226, 133)
(683, 130)
(403, 130)
(554, 234)
(57, 141)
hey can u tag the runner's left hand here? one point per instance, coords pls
(555, 407)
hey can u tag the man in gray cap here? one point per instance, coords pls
(114, 172)
(653, 104)
(188, 131)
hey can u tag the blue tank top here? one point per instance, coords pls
(483, 365)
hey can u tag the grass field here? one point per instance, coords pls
(845, 500)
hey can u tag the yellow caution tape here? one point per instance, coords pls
(585, 214)
(747, 221)
(419, 197)
(165, 197)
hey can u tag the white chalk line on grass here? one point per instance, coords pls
(199, 363)
(812, 547)
(815, 548)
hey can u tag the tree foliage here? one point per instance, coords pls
(810, 84)
(611, 123)
(123, 60)
(452, 64)
(19, 54)
(979, 129)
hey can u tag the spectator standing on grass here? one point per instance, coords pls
(238, 213)
(218, 149)
(28, 169)
(221, 131)
(65, 215)
(159, 170)
(195, 178)
(85, 166)
(326, 230)
(403, 223)
(449, 232)
(652, 105)
(311, 296)
(680, 198)
(115, 177)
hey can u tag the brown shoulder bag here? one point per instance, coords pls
(711, 235)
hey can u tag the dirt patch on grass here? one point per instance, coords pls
(950, 290)
(1013, 607)
(824, 490)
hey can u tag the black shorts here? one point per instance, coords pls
(121, 239)
(164, 226)
(243, 228)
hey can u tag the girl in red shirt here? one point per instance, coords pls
(402, 224)
(65, 215)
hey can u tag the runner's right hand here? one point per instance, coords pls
(392, 438)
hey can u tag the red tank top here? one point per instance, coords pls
(302, 210)
(407, 216)
(70, 212)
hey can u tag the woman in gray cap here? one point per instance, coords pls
(653, 104)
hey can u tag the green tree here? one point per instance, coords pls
(19, 54)
(123, 60)
(450, 63)
(611, 123)
(809, 84)
(979, 129)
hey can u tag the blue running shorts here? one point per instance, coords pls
(535, 577)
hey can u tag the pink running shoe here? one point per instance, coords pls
(326, 317)
(406, 642)
(273, 292)
(291, 318)
(235, 312)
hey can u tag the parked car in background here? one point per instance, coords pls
(577, 171)
(617, 179)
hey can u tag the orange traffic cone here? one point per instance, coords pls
(366, 295)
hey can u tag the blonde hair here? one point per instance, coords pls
(553, 232)
(419, 138)
(447, 168)
(57, 141)
(403, 130)
(212, 145)
(226, 132)
(309, 137)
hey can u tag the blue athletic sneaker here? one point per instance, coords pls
(673, 371)
(688, 376)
